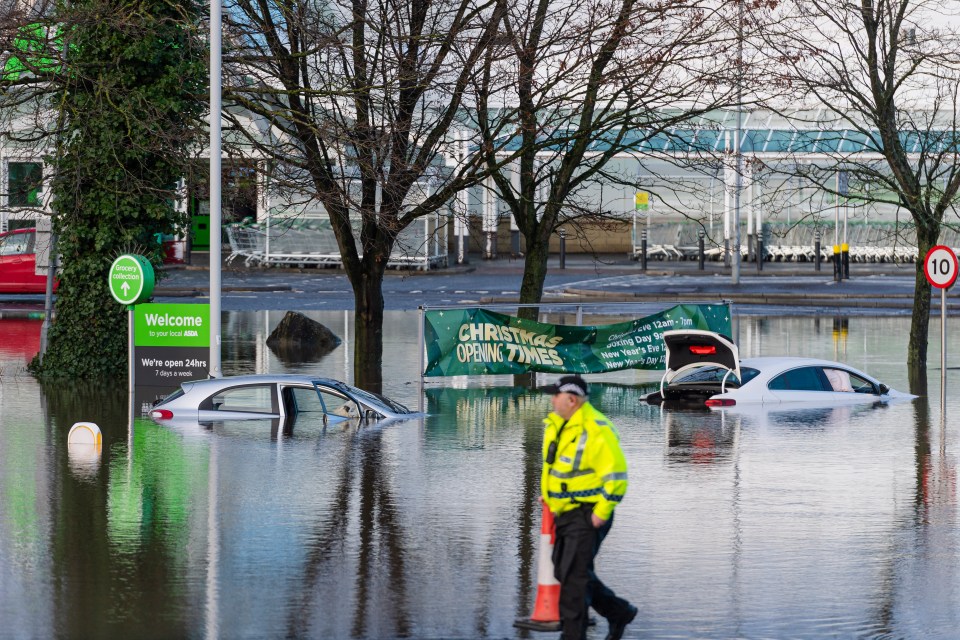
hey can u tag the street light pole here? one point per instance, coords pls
(735, 265)
(216, 10)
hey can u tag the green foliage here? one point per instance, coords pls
(129, 109)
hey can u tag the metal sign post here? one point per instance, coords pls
(130, 281)
(940, 266)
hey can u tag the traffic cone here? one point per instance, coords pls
(546, 608)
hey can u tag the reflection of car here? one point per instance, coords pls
(21, 338)
(703, 368)
(18, 261)
(699, 436)
(266, 397)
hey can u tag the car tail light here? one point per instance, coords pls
(721, 402)
(163, 414)
(702, 350)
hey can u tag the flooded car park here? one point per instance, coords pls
(831, 521)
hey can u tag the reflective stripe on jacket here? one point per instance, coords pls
(589, 465)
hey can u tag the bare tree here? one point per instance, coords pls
(885, 75)
(570, 87)
(359, 96)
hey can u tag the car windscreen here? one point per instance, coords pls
(375, 399)
(715, 374)
(15, 244)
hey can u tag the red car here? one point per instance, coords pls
(18, 261)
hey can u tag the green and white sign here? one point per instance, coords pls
(172, 325)
(478, 342)
(171, 345)
(131, 279)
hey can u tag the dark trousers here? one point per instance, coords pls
(575, 548)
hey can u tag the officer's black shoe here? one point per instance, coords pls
(617, 626)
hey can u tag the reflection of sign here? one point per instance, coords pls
(476, 341)
(642, 201)
(131, 279)
(172, 345)
(940, 267)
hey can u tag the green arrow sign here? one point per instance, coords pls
(131, 279)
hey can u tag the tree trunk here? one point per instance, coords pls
(534, 275)
(531, 291)
(368, 325)
(920, 320)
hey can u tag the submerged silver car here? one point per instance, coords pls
(704, 370)
(274, 397)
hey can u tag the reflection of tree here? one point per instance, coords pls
(484, 411)
(529, 526)
(377, 507)
(326, 541)
(379, 523)
(922, 454)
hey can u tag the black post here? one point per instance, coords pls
(701, 256)
(845, 256)
(836, 263)
(563, 248)
(816, 251)
(759, 252)
(643, 249)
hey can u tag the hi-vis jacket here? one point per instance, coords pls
(589, 465)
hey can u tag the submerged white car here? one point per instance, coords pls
(274, 397)
(704, 369)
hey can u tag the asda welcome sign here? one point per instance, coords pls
(171, 345)
(476, 341)
(172, 325)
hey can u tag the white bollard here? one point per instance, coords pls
(84, 442)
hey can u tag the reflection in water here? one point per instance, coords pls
(835, 522)
(700, 437)
(380, 537)
(477, 409)
(126, 556)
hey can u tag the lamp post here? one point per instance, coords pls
(735, 265)
(216, 10)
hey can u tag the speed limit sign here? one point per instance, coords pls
(940, 267)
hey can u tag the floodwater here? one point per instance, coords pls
(802, 524)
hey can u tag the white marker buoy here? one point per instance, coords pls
(84, 442)
(85, 433)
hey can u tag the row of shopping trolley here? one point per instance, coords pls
(880, 242)
(302, 242)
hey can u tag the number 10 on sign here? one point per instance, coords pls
(940, 267)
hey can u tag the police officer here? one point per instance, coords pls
(584, 478)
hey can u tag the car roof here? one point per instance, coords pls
(16, 231)
(265, 378)
(768, 362)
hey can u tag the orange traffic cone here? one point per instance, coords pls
(546, 608)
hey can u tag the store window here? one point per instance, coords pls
(24, 180)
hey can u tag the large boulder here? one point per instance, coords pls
(299, 339)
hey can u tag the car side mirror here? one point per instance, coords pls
(884, 389)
